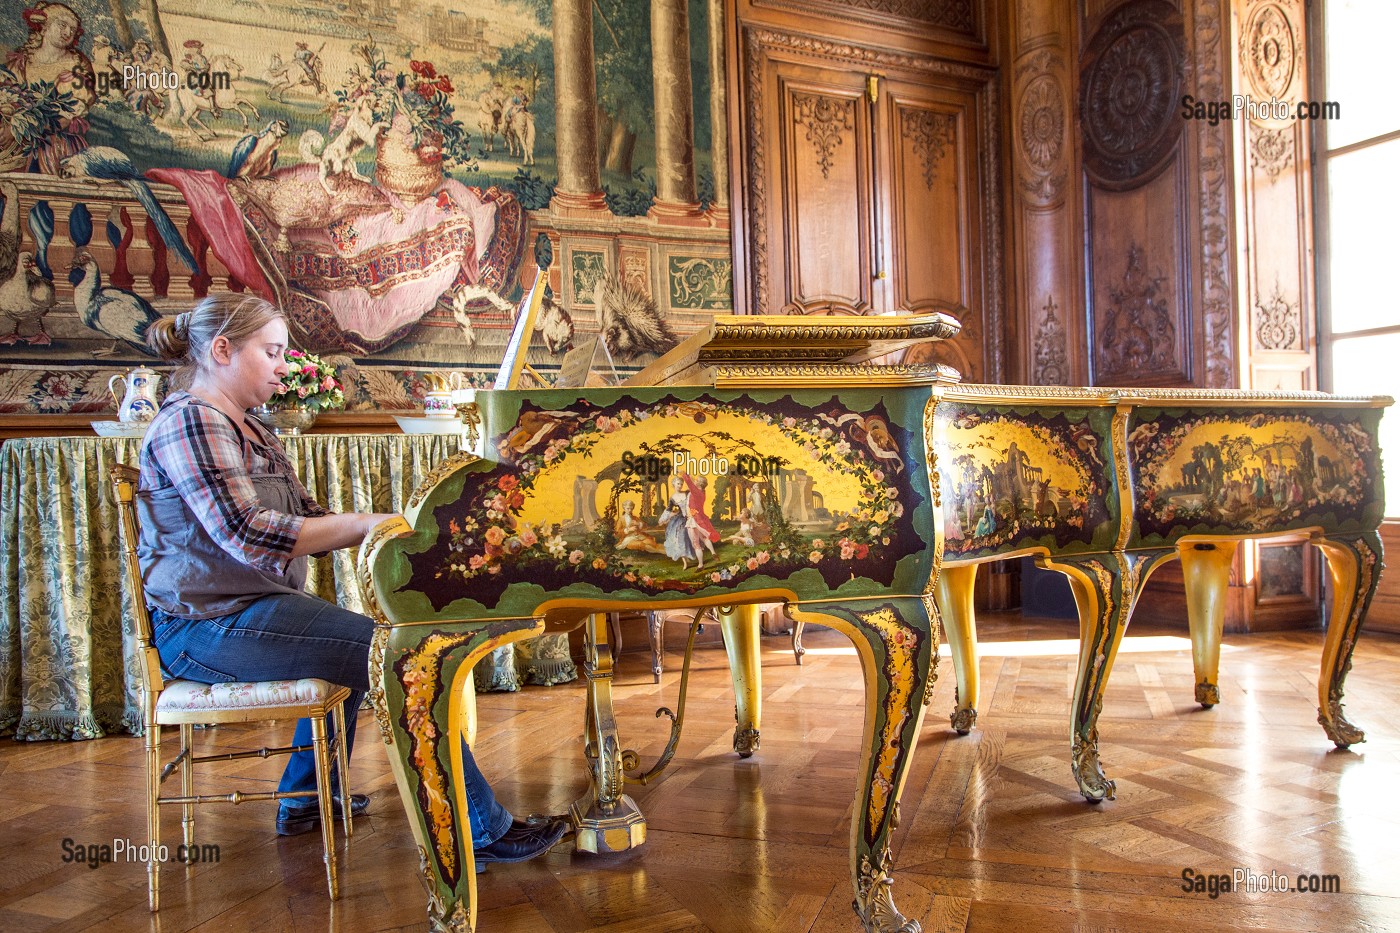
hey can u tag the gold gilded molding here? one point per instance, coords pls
(1122, 473)
(378, 646)
(823, 374)
(776, 328)
(438, 474)
(977, 392)
(874, 902)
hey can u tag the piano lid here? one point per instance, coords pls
(736, 350)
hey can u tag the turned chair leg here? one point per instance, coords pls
(323, 799)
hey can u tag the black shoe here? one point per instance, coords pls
(293, 820)
(523, 841)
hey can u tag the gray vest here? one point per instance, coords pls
(190, 576)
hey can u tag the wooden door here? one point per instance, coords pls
(931, 210)
(820, 226)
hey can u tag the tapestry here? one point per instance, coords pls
(388, 173)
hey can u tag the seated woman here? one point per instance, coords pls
(225, 530)
(631, 533)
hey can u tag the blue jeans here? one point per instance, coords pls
(289, 636)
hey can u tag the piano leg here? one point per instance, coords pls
(411, 669)
(1105, 585)
(954, 593)
(1354, 564)
(1205, 566)
(896, 641)
(607, 820)
(740, 625)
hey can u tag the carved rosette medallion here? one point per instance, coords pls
(1051, 356)
(1270, 150)
(1129, 90)
(931, 134)
(1040, 131)
(1268, 51)
(1138, 334)
(1277, 323)
(826, 120)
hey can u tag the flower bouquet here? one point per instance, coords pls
(29, 115)
(424, 135)
(310, 387)
(310, 383)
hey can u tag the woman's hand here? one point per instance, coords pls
(324, 533)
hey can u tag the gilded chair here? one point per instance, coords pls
(183, 703)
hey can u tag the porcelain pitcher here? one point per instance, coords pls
(139, 401)
(443, 393)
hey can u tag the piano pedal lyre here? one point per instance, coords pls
(677, 718)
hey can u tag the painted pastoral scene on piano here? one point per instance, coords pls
(1254, 471)
(1023, 477)
(680, 495)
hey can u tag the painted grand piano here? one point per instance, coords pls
(795, 469)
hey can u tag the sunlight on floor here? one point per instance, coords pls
(1051, 647)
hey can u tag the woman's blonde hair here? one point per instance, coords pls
(187, 337)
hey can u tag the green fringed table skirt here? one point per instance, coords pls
(68, 668)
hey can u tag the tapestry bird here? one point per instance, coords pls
(109, 310)
(106, 163)
(255, 156)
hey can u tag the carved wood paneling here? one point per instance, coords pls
(1270, 150)
(1051, 353)
(960, 20)
(1209, 56)
(824, 183)
(930, 135)
(1138, 331)
(1130, 92)
(1269, 51)
(1274, 204)
(1159, 184)
(1278, 325)
(922, 205)
(1139, 275)
(1041, 128)
(1045, 239)
(828, 121)
(935, 223)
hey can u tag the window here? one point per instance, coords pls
(1357, 203)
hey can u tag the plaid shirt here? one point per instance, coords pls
(197, 449)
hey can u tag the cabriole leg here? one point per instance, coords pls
(897, 642)
(1354, 565)
(954, 594)
(740, 626)
(1206, 569)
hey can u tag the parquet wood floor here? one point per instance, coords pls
(994, 836)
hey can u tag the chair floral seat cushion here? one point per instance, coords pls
(183, 696)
